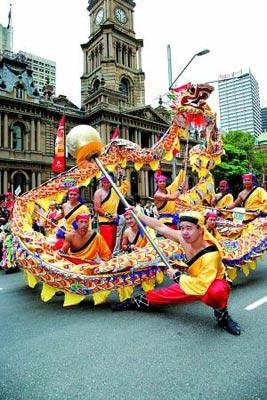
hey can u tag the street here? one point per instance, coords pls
(174, 353)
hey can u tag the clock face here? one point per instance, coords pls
(99, 16)
(120, 15)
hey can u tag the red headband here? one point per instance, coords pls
(224, 182)
(74, 190)
(247, 176)
(163, 177)
(82, 217)
(211, 215)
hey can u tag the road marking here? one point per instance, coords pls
(256, 304)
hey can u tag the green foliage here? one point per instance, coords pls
(240, 157)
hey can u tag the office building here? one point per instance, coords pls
(239, 103)
(44, 71)
(264, 119)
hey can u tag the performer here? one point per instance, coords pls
(164, 199)
(223, 198)
(71, 209)
(132, 237)
(106, 203)
(205, 278)
(9, 202)
(252, 198)
(51, 218)
(84, 244)
(210, 220)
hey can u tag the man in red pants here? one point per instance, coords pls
(205, 278)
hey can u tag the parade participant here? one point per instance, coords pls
(84, 244)
(223, 198)
(51, 218)
(71, 209)
(4, 216)
(205, 277)
(132, 237)
(211, 220)
(252, 198)
(106, 203)
(9, 202)
(164, 199)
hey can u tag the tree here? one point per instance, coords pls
(238, 158)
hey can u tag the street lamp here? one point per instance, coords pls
(200, 53)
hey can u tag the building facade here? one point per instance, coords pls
(239, 103)
(264, 119)
(28, 125)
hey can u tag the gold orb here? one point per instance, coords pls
(83, 142)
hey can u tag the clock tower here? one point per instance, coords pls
(112, 73)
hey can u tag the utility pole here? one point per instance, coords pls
(169, 58)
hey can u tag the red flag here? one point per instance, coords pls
(59, 160)
(115, 134)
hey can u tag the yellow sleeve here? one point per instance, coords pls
(174, 186)
(104, 251)
(198, 285)
(263, 198)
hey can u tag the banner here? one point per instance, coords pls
(59, 160)
(115, 134)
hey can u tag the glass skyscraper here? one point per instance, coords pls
(239, 103)
(264, 119)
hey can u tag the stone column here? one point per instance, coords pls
(33, 180)
(139, 58)
(1, 191)
(5, 188)
(38, 135)
(6, 141)
(136, 136)
(146, 183)
(32, 134)
(39, 178)
(139, 139)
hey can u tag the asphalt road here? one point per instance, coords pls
(174, 353)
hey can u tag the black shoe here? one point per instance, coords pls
(12, 270)
(139, 303)
(225, 321)
(124, 306)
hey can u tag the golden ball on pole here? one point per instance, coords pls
(83, 143)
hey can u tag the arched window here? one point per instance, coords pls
(96, 85)
(17, 136)
(19, 180)
(125, 87)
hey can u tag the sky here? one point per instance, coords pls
(233, 30)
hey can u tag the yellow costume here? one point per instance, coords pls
(203, 269)
(95, 246)
(139, 240)
(110, 203)
(255, 200)
(225, 200)
(167, 211)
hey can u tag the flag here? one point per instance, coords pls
(116, 133)
(59, 160)
(18, 190)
